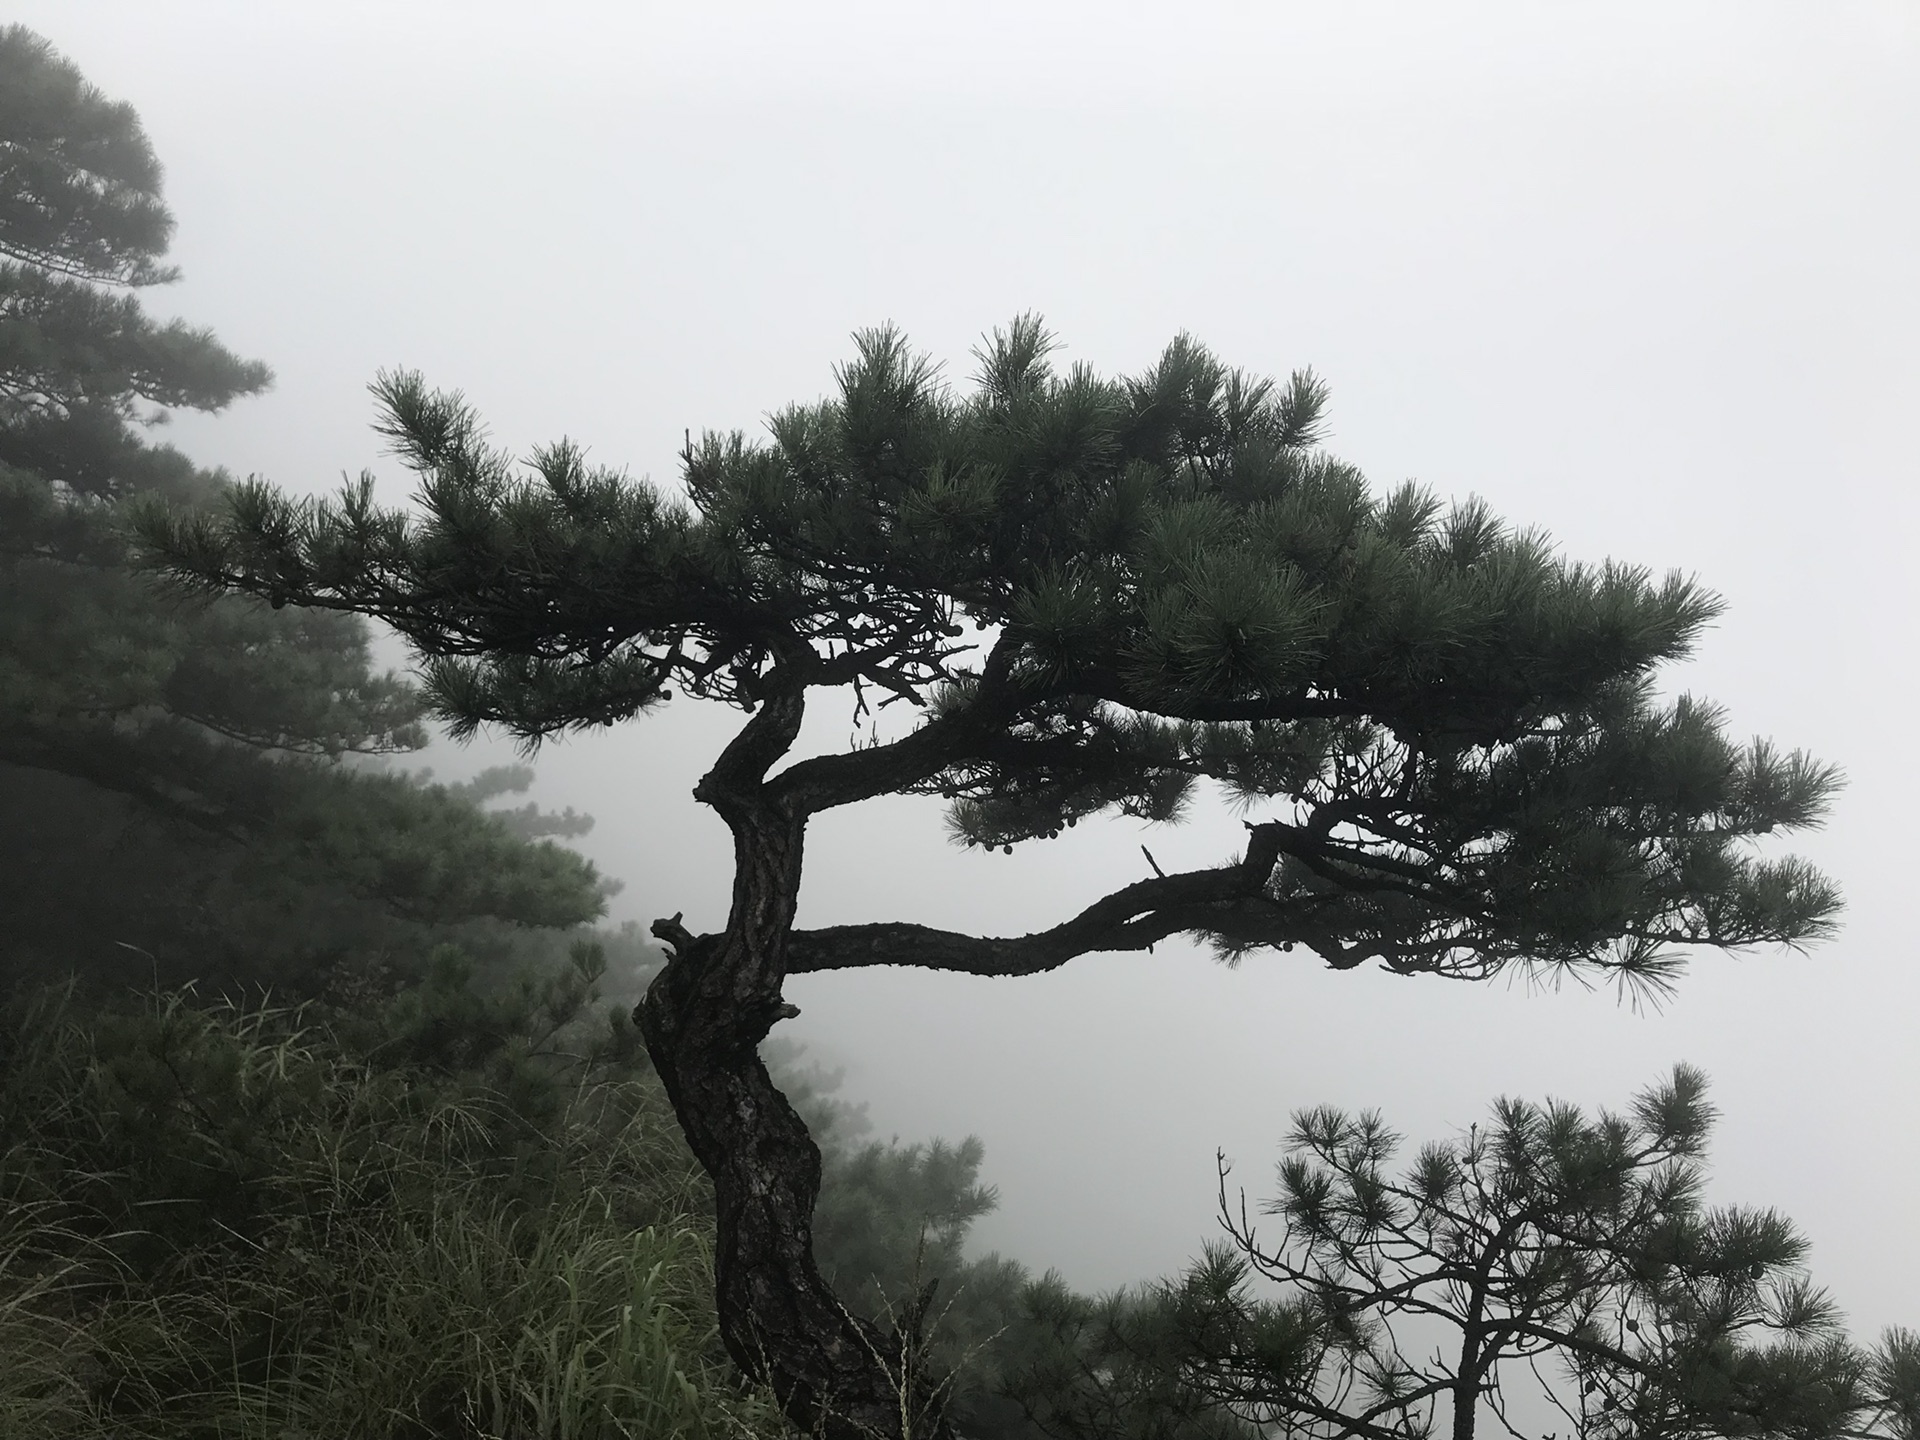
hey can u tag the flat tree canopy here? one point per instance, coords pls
(1099, 595)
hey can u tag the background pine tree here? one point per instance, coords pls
(176, 795)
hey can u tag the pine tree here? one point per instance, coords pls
(1545, 1255)
(164, 767)
(1547, 1258)
(1097, 595)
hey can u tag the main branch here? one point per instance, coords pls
(1131, 918)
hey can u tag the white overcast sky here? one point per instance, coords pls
(1640, 274)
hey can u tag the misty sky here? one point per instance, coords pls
(1641, 275)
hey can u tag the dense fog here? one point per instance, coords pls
(1641, 276)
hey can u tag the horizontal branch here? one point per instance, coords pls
(1132, 918)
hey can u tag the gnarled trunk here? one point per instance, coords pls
(703, 1020)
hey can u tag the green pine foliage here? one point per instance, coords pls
(900, 1214)
(890, 1233)
(1103, 595)
(1079, 1367)
(352, 875)
(82, 188)
(527, 821)
(174, 778)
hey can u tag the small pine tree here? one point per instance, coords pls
(1546, 1257)
(1098, 595)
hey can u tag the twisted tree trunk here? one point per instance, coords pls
(703, 1019)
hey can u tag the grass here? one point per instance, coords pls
(224, 1222)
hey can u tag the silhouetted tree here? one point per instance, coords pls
(1546, 1251)
(166, 770)
(1099, 595)
(1547, 1256)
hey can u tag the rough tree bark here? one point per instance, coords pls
(834, 1373)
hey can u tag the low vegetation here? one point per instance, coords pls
(458, 1216)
